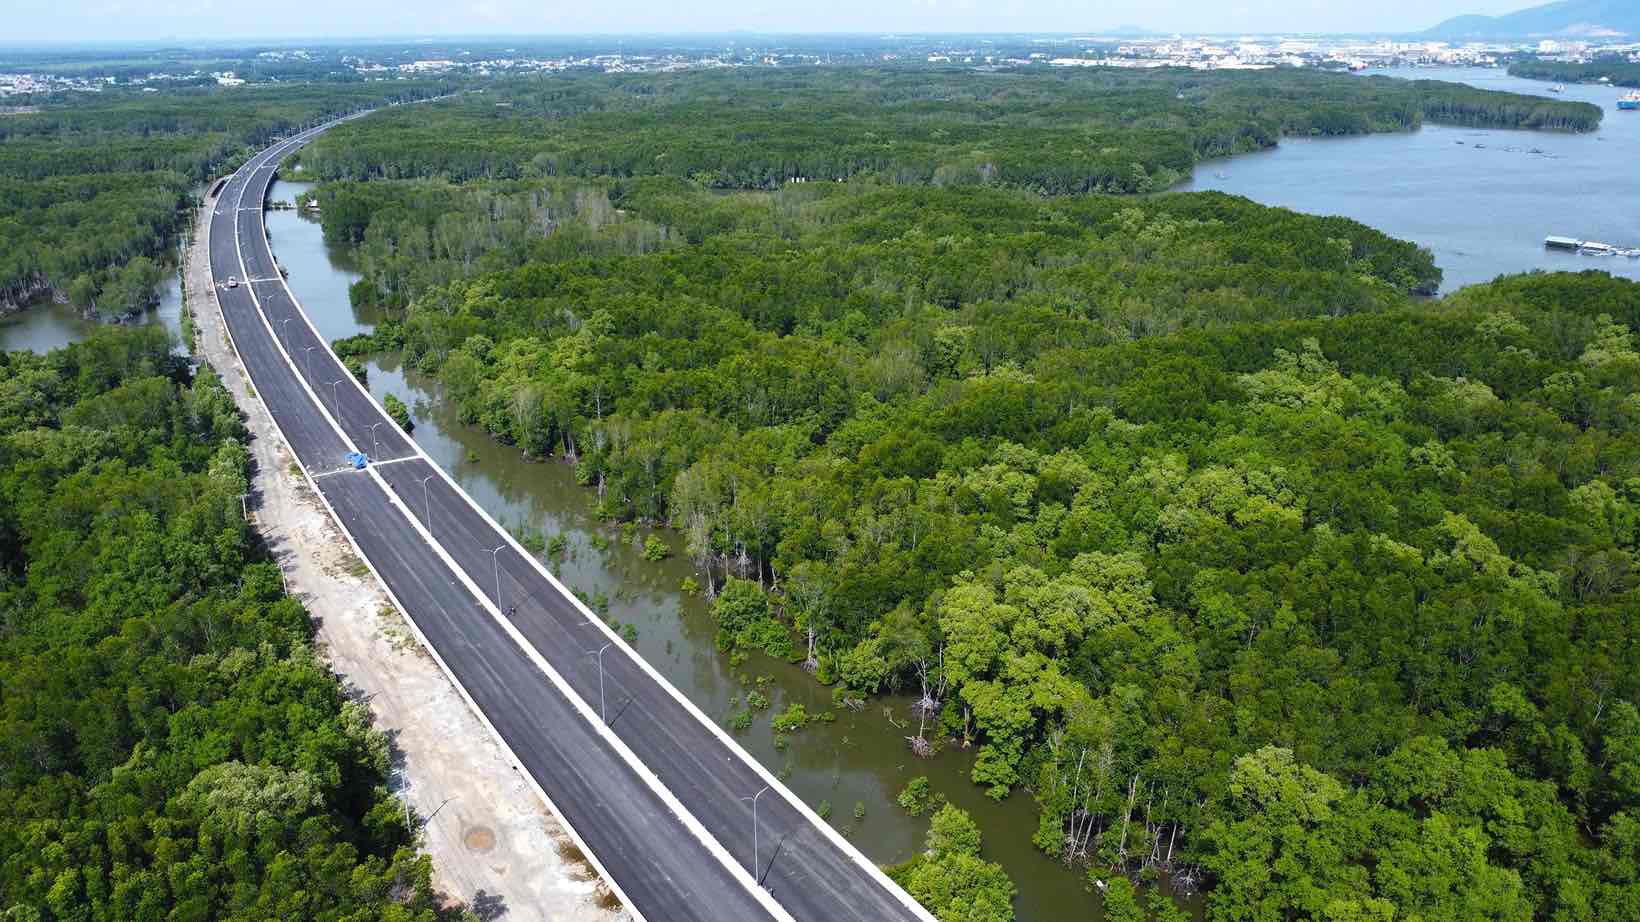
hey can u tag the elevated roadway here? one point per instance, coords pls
(658, 795)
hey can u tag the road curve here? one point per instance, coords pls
(659, 796)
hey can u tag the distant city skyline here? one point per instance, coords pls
(184, 20)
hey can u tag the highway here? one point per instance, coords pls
(659, 796)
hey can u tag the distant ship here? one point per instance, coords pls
(1629, 102)
(1558, 88)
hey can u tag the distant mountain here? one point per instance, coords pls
(1570, 19)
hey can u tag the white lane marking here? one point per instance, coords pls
(295, 372)
(427, 645)
(608, 735)
(712, 845)
(847, 848)
(340, 470)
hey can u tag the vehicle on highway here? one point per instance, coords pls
(233, 281)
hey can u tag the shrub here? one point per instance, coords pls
(916, 796)
(399, 412)
(655, 550)
(791, 719)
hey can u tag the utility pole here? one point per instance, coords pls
(495, 557)
(603, 710)
(757, 872)
(427, 504)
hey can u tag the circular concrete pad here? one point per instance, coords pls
(479, 839)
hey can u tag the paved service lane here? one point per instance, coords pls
(641, 844)
(660, 794)
(821, 884)
(589, 786)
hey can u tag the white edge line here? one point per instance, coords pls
(690, 822)
(848, 848)
(591, 856)
(670, 800)
(256, 304)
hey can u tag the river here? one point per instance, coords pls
(44, 326)
(1483, 206)
(1481, 199)
(1484, 211)
(860, 759)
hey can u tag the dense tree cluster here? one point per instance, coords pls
(170, 746)
(1250, 568)
(89, 185)
(1092, 130)
(951, 879)
(1615, 69)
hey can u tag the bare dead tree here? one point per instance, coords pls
(927, 706)
(1127, 819)
(1075, 817)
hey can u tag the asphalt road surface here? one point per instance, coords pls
(662, 798)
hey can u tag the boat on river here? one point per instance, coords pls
(1590, 247)
(1629, 102)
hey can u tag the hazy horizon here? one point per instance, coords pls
(115, 21)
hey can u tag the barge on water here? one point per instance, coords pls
(1590, 247)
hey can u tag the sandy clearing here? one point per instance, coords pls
(495, 847)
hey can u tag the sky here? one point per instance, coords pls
(106, 20)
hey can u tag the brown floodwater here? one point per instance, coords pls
(859, 759)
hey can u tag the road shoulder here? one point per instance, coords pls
(495, 847)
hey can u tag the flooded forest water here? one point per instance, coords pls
(1482, 200)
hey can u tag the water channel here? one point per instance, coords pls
(1482, 205)
(44, 326)
(860, 759)
(1483, 210)
(1481, 199)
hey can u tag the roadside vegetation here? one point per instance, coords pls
(1188, 516)
(94, 190)
(170, 745)
(1252, 569)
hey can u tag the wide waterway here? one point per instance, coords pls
(1483, 206)
(1481, 199)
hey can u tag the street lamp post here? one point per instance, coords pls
(495, 557)
(336, 398)
(375, 443)
(307, 358)
(757, 872)
(285, 328)
(427, 504)
(603, 710)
